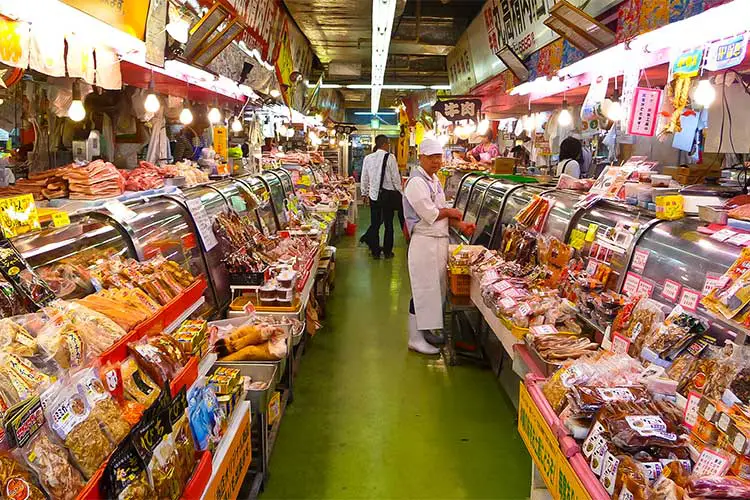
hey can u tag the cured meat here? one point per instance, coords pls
(98, 179)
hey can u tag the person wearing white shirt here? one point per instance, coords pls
(428, 220)
(570, 154)
(381, 184)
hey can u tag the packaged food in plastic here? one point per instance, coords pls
(50, 460)
(69, 415)
(643, 322)
(182, 437)
(20, 379)
(16, 481)
(97, 331)
(588, 399)
(633, 427)
(137, 385)
(156, 359)
(719, 487)
(152, 438)
(205, 416)
(11, 302)
(103, 407)
(631, 480)
(732, 359)
(125, 476)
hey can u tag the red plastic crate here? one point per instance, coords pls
(186, 377)
(91, 490)
(196, 485)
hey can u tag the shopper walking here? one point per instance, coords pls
(427, 220)
(381, 183)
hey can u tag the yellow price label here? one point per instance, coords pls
(60, 219)
(577, 239)
(591, 233)
(305, 180)
(458, 249)
(18, 215)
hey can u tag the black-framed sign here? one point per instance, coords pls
(458, 109)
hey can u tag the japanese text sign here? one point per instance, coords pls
(459, 109)
(18, 215)
(726, 53)
(644, 111)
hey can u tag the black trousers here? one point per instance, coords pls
(381, 214)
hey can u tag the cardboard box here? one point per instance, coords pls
(504, 166)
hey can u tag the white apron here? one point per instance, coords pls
(428, 259)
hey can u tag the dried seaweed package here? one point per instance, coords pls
(103, 406)
(69, 415)
(151, 437)
(125, 476)
(42, 451)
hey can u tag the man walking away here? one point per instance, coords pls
(381, 183)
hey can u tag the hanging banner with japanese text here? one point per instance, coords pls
(644, 112)
(125, 15)
(726, 53)
(284, 63)
(519, 24)
(262, 18)
(459, 109)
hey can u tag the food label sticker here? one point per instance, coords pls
(620, 344)
(60, 219)
(591, 232)
(120, 212)
(630, 287)
(645, 288)
(570, 376)
(640, 257)
(625, 494)
(589, 445)
(615, 394)
(671, 290)
(713, 280)
(597, 458)
(710, 463)
(591, 267)
(609, 473)
(524, 309)
(577, 239)
(690, 417)
(740, 239)
(709, 411)
(739, 443)
(203, 223)
(723, 422)
(723, 234)
(249, 308)
(648, 425)
(502, 286)
(543, 330)
(689, 299)
(514, 293)
(508, 303)
(491, 276)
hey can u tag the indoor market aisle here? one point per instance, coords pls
(372, 420)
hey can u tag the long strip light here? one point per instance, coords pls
(382, 25)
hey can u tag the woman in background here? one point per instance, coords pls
(484, 151)
(570, 155)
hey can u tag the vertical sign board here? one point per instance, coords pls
(556, 471)
(284, 63)
(228, 475)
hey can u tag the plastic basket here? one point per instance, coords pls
(460, 284)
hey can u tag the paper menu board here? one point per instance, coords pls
(202, 223)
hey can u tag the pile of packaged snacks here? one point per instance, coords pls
(227, 385)
(159, 356)
(207, 419)
(192, 335)
(253, 341)
(731, 297)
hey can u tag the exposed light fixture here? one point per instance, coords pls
(382, 24)
(483, 127)
(186, 116)
(564, 118)
(443, 139)
(214, 115)
(704, 94)
(613, 109)
(151, 104)
(332, 141)
(281, 129)
(236, 125)
(275, 93)
(290, 132)
(178, 29)
(529, 123)
(76, 111)
(379, 113)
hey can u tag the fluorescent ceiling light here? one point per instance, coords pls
(440, 87)
(382, 24)
(359, 86)
(396, 86)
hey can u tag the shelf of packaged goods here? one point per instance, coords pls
(232, 457)
(167, 319)
(502, 333)
(556, 455)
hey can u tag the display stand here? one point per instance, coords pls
(503, 334)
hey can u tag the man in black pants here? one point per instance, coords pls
(381, 183)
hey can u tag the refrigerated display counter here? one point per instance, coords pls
(562, 213)
(464, 190)
(489, 212)
(265, 210)
(286, 180)
(278, 199)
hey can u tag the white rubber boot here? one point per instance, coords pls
(416, 339)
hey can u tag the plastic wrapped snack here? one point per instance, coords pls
(633, 427)
(69, 415)
(11, 303)
(125, 476)
(19, 378)
(156, 359)
(50, 461)
(732, 359)
(631, 480)
(152, 438)
(103, 406)
(646, 315)
(16, 481)
(97, 330)
(138, 386)
(587, 400)
(182, 437)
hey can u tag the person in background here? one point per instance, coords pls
(427, 220)
(381, 183)
(183, 148)
(268, 146)
(570, 155)
(485, 150)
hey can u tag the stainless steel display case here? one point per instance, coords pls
(278, 200)
(464, 190)
(265, 209)
(286, 180)
(675, 250)
(517, 200)
(476, 197)
(562, 213)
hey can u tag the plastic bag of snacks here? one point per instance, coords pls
(125, 475)
(159, 356)
(137, 385)
(152, 438)
(16, 481)
(647, 315)
(50, 460)
(206, 417)
(103, 407)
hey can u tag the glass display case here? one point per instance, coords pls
(302, 177)
(515, 201)
(266, 216)
(60, 254)
(675, 254)
(278, 199)
(613, 228)
(476, 197)
(163, 226)
(464, 190)
(562, 213)
(286, 180)
(490, 211)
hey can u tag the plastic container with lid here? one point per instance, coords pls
(268, 302)
(287, 279)
(267, 292)
(284, 302)
(659, 180)
(284, 293)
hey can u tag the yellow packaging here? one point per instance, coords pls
(670, 207)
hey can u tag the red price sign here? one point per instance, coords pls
(713, 280)
(640, 257)
(690, 416)
(620, 344)
(630, 287)
(671, 290)
(645, 288)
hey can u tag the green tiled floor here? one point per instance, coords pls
(372, 420)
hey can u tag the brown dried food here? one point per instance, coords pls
(50, 461)
(16, 481)
(89, 446)
(740, 386)
(588, 399)
(110, 417)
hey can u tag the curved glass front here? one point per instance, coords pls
(265, 209)
(286, 180)
(277, 197)
(476, 197)
(517, 200)
(464, 189)
(490, 212)
(561, 214)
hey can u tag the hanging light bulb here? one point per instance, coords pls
(151, 104)
(704, 94)
(290, 133)
(332, 141)
(186, 116)
(236, 125)
(614, 111)
(529, 123)
(76, 111)
(564, 119)
(483, 127)
(443, 139)
(470, 127)
(342, 141)
(214, 115)
(275, 93)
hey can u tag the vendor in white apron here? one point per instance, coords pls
(427, 220)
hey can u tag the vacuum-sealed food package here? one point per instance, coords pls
(50, 460)
(16, 481)
(103, 407)
(125, 476)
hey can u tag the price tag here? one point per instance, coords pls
(120, 212)
(630, 287)
(671, 290)
(620, 344)
(740, 239)
(514, 293)
(18, 215)
(503, 285)
(710, 463)
(60, 219)
(524, 309)
(591, 232)
(577, 239)
(690, 417)
(591, 267)
(689, 299)
(274, 408)
(645, 288)
(249, 308)
(640, 257)
(508, 303)
(723, 235)
(713, 280)
(491, 276)
(203, 223)
(543, 330)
